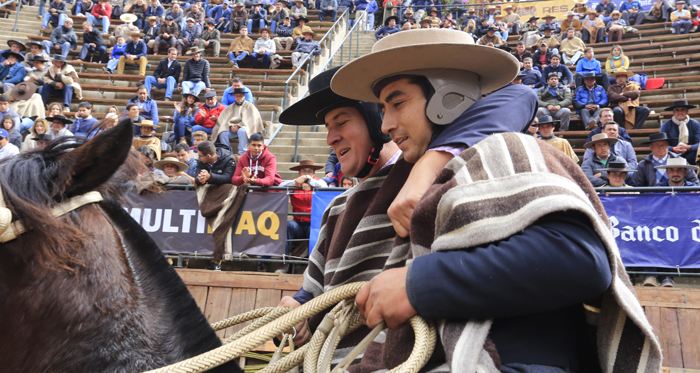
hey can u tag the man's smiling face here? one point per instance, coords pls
(348, 135)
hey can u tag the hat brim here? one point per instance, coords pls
(671, 141)
(303, 112)
(145, 125)
(555, 123)
(495, 67)
(686, 166)
(616, 170)
(64, 120)
(22, 46)
(614, 74)
(610, 140)
(196, 99)
(18, 56)
(297, 168)
(395, 18)
(30, 90)
(128, 18)
(161, 164)
(670, 108)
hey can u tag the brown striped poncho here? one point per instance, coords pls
(355, 240)
(488, 193)
(219, 205)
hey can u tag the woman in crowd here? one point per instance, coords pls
(113, 109)
(54, 109)
(616, 60)
(184, 116)
(471, 28)
(110, 120)
(8, 123)
(40, 127)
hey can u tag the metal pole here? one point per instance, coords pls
(357, 45)
(296, 148)
(19, 8)
(284, 99)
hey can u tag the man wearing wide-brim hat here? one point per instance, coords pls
(425, 23)
(59, 126)
(61, 80)
(624, 100)
(512, 20)
(36, 49)
(546, 126)
(11, 70)
(549, 22)
(676, 170)
(174, 170)
(684, 128)
(591, 167)
(305, 47)
(240, 119)
(593, 28)
(490, 37)
(571, 20)
(425, 97)
(647, 174)
(263, 49)
(124, 29)
(617, 173)
(390, 27)
(15, 46)
(148, 138)
(134, 54)
(195, 74)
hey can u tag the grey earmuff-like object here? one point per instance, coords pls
(455, 92)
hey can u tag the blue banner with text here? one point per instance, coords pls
(319, 201)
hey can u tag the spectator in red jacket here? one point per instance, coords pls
(208, 113)
(100, 14)
(301, 202)
(257, 167)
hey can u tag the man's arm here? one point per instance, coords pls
(154, 112)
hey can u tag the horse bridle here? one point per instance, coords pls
(10, 230)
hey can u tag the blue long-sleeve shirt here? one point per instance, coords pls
(188, 120)
(12, 74)
(139, 50)
(532, 77)
(386, 30)
(584, 65)
(372, 7)
(671, 129)
(118, 51)
(308, 46)
(148, 109)
(629, 5)
(360, 5)
(227, 99)
(81, 127)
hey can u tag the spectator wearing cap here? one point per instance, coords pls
(617, 173)
(284, 35)
(147, 137)
(176, 14)
(100, 15)
(305, 47)
(239, 120)
(35, 49)
(56, 14)
(622, 149)
(168, 34)
(297, 33)
(148, 108)
(328, 8)
(135, 53)
(590, 97)
(182, 151)
(604, 9)
(550, 24)
(681, 19)
(554, 100)
(228, 97)
(92, 43)
(240, 48)
(388, 28)
(533, 77)
(299, 227)
(589, 64)
(189, 36)
(124, 29)
(17, 47)
(166, 75)
(118, 50)
(566, 78)
(84, 121)
(571, 21)
(624, 100)
(195, 77)
(683, 128)
(546, 126)
(550, 40)
(62, 39)
(647, 174)
(631, 12)
(11, 71)
(571, 48)
(61, 80)
(150, 31)
(208, 113)
(543, 56)
(594, 166)
(263, 49)
(491, 37)
(593, 28)
(59, 126)
(521, 53)
(7, 149)
(239, 18)
(211, 38)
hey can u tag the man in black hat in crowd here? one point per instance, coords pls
(61, 79)
(195, 75)
(491, 38)
(389, 28)
(15, 46)
(683, 128)
(59, 126)
(617, 173)
(92, 43)
(647, 174)
(519, 78)
(241, 119)
(36, 49)
(546, 126)
(11, 71)
(589, 99)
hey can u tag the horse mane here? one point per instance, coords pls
(32, 184)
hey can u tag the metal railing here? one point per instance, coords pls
(19, 8)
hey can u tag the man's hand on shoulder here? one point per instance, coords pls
(385, 298)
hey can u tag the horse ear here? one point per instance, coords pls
(87, 167)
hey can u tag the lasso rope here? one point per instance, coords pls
(317, 354)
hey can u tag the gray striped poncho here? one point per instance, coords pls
(355, 240)
(488, 193)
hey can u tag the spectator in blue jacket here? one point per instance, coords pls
(118, 50)
(84, 121)
(11, 71)
(604, 9)
(135, 53)
(19, 47)
(307, 46)
(388, 29)
(228, 98)
(148, 108)
(566, 78)
(329, 8)
(589, 64)
(154, 10)
(533, 77)
(257, 17)
(590, 97)
(372, 9)
(683, 128)
(632, 12)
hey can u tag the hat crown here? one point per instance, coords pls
(677, 162)
(545, 119)
(323, 80)
(661, 136)
(617, 164)
(600, 136)
(422, 37)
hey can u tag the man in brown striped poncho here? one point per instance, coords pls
(510, 250)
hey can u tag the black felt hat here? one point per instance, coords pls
(61, 118)
(9, 53)
(661, 136)
(395, 18)
(547, 119)
(680, 103)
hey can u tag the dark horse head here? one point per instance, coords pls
(89, 291)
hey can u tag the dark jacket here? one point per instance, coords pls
(592, 166)
(139, 50)
(646, 173)
(196, 71)
(605, 9)
(62, 35)
(616, 96)
(525, 55)
(562, 98)
(163, 71)
(151, 31)
(93, 37)
(173, 30)
(221, 171)
(565, 75)
(536, 57)
(582, 93)
(284, 31)
(672, 130)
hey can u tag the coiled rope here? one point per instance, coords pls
(315, 355)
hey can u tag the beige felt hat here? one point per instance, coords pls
(126, 17)
(617, 72)
(601, 137)
(417, 49)
(146, 123)
(171, 160)
(581, 1)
